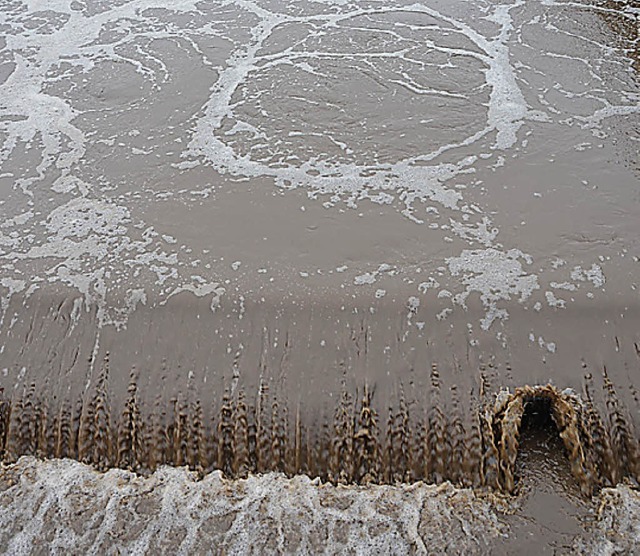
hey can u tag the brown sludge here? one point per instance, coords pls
(259, 433)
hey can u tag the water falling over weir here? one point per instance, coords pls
(355, 442)
(280, 275)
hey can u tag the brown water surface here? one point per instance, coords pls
(351, 239)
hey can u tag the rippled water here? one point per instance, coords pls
(327, 237)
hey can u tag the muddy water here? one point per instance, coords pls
(325, 238)
(64, 506)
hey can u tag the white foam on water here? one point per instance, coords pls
(90, 232)
(71, 507)
(495, 276)
(366, 278)
(63, 506)
(369, 278)
(425, 286)
(507, 111)
(593, 275)
(83, 236)
(553, 301)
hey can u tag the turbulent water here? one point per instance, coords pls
(64, 506)
(367, 242)
(477, 447)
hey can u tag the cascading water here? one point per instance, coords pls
(362, 267)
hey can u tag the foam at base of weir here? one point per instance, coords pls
(62, 505)
(76, 508)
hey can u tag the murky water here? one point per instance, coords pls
(326, 238)
(63, 506)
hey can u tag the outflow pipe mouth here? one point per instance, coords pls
(246, 432)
